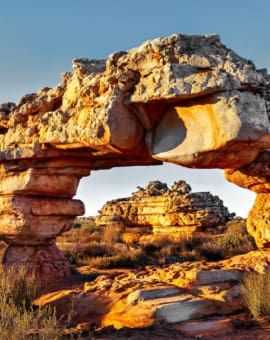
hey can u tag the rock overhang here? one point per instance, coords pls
(183, 99)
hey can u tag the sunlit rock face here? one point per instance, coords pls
(164, 210)
(184, 99)
(256, 177)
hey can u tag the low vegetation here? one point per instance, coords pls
(19, 318)
(87, 244)
(255, 289)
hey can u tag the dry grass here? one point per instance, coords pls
(234, 241)
(19, 319)
(255, 289)
(105, 248)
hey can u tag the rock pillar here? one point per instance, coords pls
(36, 206)
(187, 100)
(256, 177)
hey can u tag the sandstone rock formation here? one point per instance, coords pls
(174, 293)
(175, 210)
(182, 99)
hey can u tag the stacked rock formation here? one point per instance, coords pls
(184, 99)
(175, 210)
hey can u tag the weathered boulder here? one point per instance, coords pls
(258, 221)
(256, 177)
(203, 136)
(183, 99)
(196, 101)
(47, 261)
(165, 210)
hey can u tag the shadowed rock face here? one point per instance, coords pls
(188, 100)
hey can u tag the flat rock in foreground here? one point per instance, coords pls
(169, 294)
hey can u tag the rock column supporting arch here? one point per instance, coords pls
(256, 177)
(183, 99)
(36, 206)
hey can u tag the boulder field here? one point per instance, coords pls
(183, 99)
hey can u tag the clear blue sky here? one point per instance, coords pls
(40, 38)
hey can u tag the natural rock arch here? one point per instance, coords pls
(183, 99)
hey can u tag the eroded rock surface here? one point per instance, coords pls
(174, 293)
(183, 99)
(256, 177)
(166, 210)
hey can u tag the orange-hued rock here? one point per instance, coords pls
(256, 177)
(45, 261)
(164, 210)
(180, 292)
(36, 206)
(197, 102)
(184, 99)
(258, 184)
(27, 220)
(258, 221)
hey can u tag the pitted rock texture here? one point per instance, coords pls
(184, 99)
(46, 261)
(171, 294)
(197, 102)
(256, 177)
(166, 210)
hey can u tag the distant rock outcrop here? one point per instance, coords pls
(184, 99)
(166, 210)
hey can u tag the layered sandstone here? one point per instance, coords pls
(175, 210)
(169, 294)
(184, 99)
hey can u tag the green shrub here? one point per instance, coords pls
(86, 245)
(18, 287)
(255, 290)
(236, 241)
